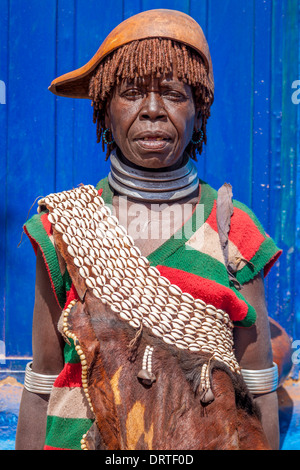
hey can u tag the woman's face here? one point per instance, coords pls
(152, 120)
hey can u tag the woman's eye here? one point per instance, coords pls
(132, 94)
(173, 95)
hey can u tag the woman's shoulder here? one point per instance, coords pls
(250, 248)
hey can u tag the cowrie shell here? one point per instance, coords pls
(113, 253)
(99, 201)
(160, 300)
(147, 322)
(53, 218)
(135, 300)
(128, 241)
(149, 290)
(165, 316)
(183, 316)
(67, 238)
(78, 261)
(132, 263)
(106, 299)
(124, 253)
(121, 263)
(177, 323)
(175, 290)
(125, 315)
(117, 297)
(135, 252)
(141, 272)
(151, 281)
(84, 272)
(169, 339)
(136, 313)
(138, 291)
(107, 243)
(154, 317)
(144, 309)
(186, 307)
(200, 304)
(140, 281)
(97, 292)
(143, 262)
(166, 326)
(147, 299)
(128, 282)
(162, 291)
(72, 251)
(153, 271)
(107, 289)
(126, 304)
(108, 273)
(171, 309)
(100, 233)
(121, 231)
(176, 334)
(112, 220)
(134, 322)
(125, 291)
(164, 282)
(118, 243)
(71, 230)
(89, 260)
(180, 344)
(115, 283)
(101, 280)
(188, 338)
(194, 347)
(59, 227)
(129, 272)
(185, 297)
(105, 210)
(190, 329)
(90, 282)
(157, 331)
(118, 273)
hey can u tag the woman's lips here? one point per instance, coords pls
(153, 143)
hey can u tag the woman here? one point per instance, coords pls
(151, 86)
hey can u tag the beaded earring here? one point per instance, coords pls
(196, 142)
(105, 138)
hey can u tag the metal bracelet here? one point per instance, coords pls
(38, 383)
(261, 381)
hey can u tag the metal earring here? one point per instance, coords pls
(105, 138)
(195, 142)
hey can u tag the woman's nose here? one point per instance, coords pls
(153, 107)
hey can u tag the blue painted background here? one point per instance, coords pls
(48, 143)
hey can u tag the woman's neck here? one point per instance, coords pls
(141, 184)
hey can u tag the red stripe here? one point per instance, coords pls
(248, 240)
(71, 295)
(46, 224)
(209, 291)
(54, 448)
(70, 376)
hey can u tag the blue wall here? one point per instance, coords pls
(48, 143)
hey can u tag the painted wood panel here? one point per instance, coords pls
(48, 143)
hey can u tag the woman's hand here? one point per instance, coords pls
(47, 346)
(253, 350)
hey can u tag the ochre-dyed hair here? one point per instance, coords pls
(151, 57)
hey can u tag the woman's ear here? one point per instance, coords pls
(107, 116)
(198, 120)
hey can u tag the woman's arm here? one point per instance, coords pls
(47, 346)
(253, 350)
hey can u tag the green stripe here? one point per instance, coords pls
(198, 263)
(66, 433)
(37, 231)
(262, 257)
(70, 353)
(107, 193)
